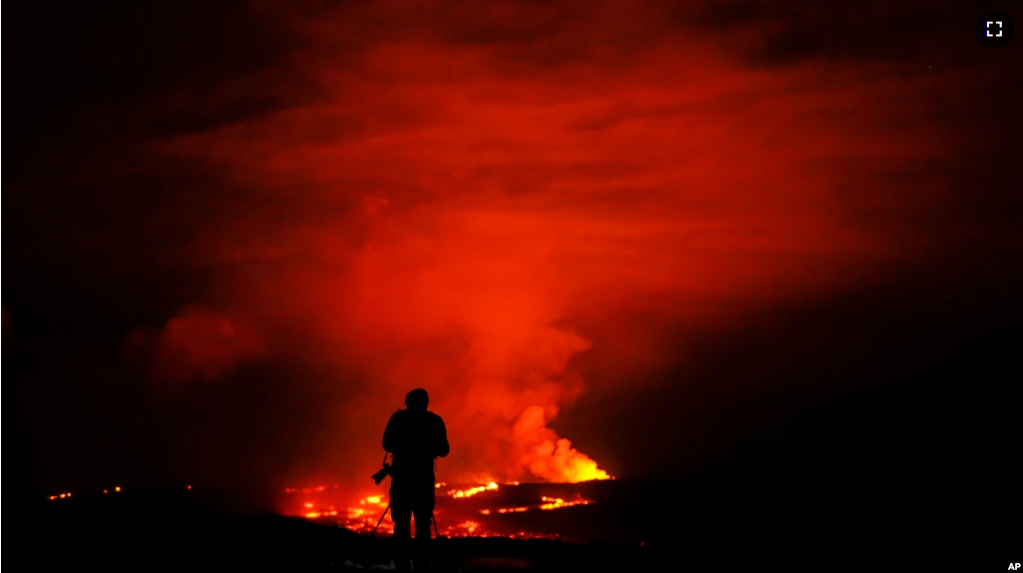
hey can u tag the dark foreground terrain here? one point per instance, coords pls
(198, 531)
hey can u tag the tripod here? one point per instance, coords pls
(433, 516)
(433, 520)
(382, 516)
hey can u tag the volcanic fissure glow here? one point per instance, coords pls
(363, 514)
(472, 491)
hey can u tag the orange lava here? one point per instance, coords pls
(117, 489)
(473, 491)
(364, 514)
(556, 503)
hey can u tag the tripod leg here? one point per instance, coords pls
(433, 518)
(382, 515)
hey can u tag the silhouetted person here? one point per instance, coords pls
(415, 437)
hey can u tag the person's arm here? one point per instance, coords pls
(391, 434)
(443, 447)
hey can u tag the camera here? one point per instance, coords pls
(380, 475)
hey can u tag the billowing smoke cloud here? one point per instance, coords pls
(474, 200)
(198, 345)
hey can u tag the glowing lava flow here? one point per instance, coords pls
(473, 490)
(364, 516)
(67, 495)
(557, 503)
(547, 503)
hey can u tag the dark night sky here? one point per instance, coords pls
(739, 239)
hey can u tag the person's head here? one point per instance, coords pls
(417, 399)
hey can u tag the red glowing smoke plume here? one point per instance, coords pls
(474, 217)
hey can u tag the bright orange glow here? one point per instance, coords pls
(492, 486)
(468, 527)
(104, 492)
(554, 459)
(373, 500)
(364, 516)
(512, 509)
(555, 503)
(189, 488)
(118, 488)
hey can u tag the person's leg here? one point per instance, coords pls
(402, 523)
(402, 518)
(424, 530)
(424, 524)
